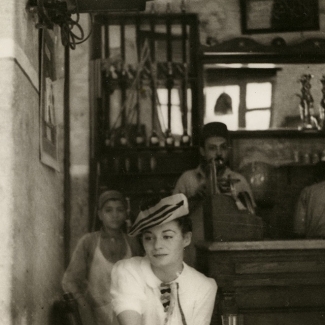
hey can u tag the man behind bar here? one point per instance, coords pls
(214, 145)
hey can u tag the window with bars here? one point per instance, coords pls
(177, 127)
(242, 98)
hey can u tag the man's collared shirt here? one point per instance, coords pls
(191, 180)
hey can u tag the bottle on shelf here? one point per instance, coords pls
(108, 139)
(140, 163)
(154, 139)
(169, 139)
(322, 157)
(122, 140)
(139, 139)
(315, 158)
(153, 163)
(127, 164)
(185, 139)
(116, 164)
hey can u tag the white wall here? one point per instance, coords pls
(31, 193)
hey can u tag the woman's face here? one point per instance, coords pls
(164, 244)
(112, 215)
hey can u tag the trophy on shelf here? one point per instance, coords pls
(306, 105)
(322, 107)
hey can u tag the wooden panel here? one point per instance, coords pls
(284, 279)
(299, 318)
(280, 267)
(272, 282)
(288, 298)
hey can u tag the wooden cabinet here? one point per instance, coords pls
(271, 282)
(143, 172)
(135, 58)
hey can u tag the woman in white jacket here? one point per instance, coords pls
(160, 288)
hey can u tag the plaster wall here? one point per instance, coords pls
(31, 236)
(79, 108)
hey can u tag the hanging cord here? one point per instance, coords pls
(67, 24)
(71, 38)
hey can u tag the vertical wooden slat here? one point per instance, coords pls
(153, 75)
(96, 41)
(106, 86)
(123, 74)
(66, 160)
(196, 75)
(169, 72)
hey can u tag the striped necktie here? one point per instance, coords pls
(165, 295)
(169, 298)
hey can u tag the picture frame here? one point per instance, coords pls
(273, 16)
(48, 119)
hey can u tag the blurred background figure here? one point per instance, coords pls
(309, 220)
(88, 276)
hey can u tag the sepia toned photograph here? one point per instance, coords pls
(163, 162)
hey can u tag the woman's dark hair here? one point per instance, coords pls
(147, 203)
(185, 224)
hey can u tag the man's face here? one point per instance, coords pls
(215, 148)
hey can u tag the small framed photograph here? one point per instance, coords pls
(48, 120)
(273, 16)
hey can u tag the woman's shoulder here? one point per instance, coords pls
(199, 278)
(132, 263)
(128, 268)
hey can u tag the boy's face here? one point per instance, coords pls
(112, 214)
(215, 148)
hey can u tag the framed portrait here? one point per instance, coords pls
(48, 121)
(273, 16)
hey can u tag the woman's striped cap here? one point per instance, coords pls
(167, 209)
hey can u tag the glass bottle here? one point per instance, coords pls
(229, 309)
(169, 140)
(185, 139)
(154, 140)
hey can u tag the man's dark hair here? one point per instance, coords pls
(185, 224)
(214, 129)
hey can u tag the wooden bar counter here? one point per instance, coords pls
(272, 282)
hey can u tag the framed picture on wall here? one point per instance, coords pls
(48, 124)
(273, 16)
